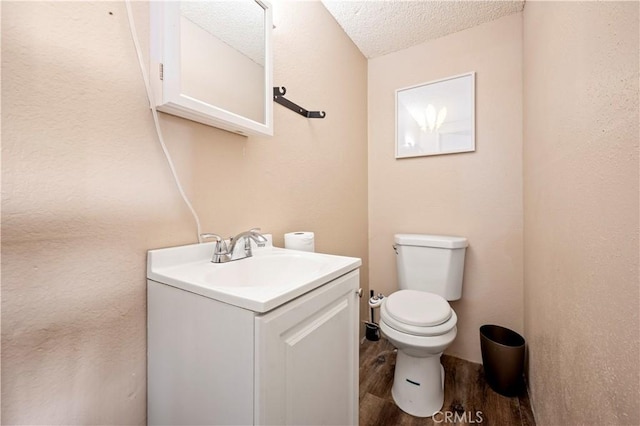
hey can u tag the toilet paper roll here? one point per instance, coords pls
(303, 241)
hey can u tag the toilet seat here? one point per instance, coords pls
(418, 313)
(418, 308)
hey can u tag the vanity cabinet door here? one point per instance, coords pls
(307, 358)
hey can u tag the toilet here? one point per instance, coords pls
(418, 320)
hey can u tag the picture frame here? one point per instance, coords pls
(437, 117)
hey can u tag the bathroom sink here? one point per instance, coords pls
(271, 277)
(266, 269)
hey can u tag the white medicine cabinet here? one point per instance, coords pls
(211, 62)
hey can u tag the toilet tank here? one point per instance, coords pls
(433, 263)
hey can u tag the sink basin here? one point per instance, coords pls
(265, 269)
(271, 277)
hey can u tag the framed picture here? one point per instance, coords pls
(436, 118)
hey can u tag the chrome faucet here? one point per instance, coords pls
(252, 234)
(220, 251)
(224, 252)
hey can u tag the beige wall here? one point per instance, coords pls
(86, 191)
(581, 211)
(477, 195)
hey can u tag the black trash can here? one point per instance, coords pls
(502, 358)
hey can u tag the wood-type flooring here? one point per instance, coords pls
(465, 392)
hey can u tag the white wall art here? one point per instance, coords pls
(436, 118)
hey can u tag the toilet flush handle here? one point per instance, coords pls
(395, 248)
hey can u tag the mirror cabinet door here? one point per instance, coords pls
(214, 62)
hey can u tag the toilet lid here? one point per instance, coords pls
(418, 308)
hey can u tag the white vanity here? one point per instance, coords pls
(270, 339)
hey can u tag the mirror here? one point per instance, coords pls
(215, 61)
(231, 32)
(436, 118)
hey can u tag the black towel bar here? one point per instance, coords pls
(278, 96)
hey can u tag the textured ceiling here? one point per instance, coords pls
(381, 27)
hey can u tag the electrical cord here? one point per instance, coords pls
(154, 112)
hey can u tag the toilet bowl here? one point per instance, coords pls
(421, 326)
(418, 320)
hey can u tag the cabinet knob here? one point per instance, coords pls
(359, 292)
